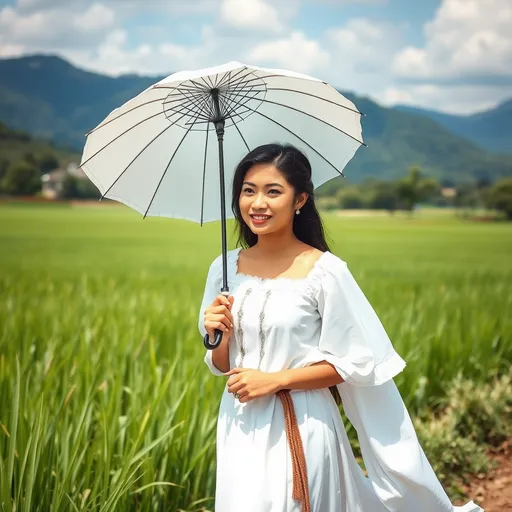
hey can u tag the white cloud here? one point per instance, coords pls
(344, 2)
(54, 28)
(467, 38)
(365, 45)
(115, 56)
(360, 52)
(295, 52)
(250, 15)
(96, 17)
(461, 99)
(38, 5)
(467, 46)
(10, 50)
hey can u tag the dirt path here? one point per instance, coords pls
(493, 492)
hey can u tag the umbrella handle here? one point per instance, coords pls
(216, 341)
(218, 332)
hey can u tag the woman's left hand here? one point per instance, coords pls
(251, 384)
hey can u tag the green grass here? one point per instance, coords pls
(105, 402)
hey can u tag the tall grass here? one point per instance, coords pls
(105, 403)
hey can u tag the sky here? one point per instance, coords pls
(448, 55)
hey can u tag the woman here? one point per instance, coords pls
(297, 325)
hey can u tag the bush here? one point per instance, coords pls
(482, 413)
(452, 456)
(74, 188)
(350, 198)
(327, 203)
(21, 179)
(500, 197)
(474, 417)
(384, 197)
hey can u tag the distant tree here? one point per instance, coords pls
(413, 189)
(500, 197)
(10, 134)
(75, 188)
(70, 188)
(350, 198)
(330, 188)
(467, 198)
(483, 181)
(21, 179)
(4, 164)
(384, 197)
(47, 161)
(29, 157)
(327, 203)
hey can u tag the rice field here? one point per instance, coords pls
(105, 402)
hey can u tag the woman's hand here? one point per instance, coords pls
(218, 316)
(251, 384)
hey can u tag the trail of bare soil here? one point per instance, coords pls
(493, 491)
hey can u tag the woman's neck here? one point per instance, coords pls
(275, 244)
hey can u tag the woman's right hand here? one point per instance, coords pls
(218, 316)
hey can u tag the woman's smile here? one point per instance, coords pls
(259, 220)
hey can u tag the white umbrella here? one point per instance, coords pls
(156, 153)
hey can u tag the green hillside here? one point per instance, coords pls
(48, 97)
(16, 145)
(397, 140)
(491, 130)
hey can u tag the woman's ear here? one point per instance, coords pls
(301, 200)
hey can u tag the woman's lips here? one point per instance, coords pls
(259, 220)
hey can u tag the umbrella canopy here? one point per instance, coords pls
(158, 152)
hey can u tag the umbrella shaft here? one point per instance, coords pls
(220, 137)
(219, 123)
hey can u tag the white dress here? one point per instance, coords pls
(291, 323)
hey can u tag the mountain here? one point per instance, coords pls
(491, 130)
(396, 140)
(49, 97)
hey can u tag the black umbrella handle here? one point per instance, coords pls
(216, 341)
(218, 333)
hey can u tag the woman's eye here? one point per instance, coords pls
(248, 190)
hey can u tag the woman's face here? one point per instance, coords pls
(267, 201)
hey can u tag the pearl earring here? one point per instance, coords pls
(297, 212)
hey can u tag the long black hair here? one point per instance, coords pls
(296, 169)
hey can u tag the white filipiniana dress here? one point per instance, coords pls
(288, 323)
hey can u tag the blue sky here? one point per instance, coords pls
(448, 55)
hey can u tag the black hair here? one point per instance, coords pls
(296, 169)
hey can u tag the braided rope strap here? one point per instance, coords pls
(300, 475)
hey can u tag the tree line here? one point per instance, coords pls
(23, 177)
(416, 188)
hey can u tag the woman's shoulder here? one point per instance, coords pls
(322, 260)
(331, 264)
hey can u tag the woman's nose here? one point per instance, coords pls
(259, 202)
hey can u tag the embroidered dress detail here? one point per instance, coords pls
(309, 284)
(262, 331)
(240, 331)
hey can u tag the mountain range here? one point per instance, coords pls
(492, 130)
(50, 98)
